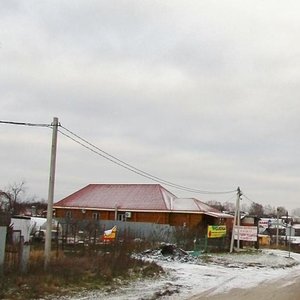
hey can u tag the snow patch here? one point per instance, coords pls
(187, 276)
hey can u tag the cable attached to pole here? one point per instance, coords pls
(25, 124)
(88, 145)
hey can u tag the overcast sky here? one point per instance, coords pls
(201, 93)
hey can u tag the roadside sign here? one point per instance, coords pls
(246, 233)
(110, 235)
(216, 231)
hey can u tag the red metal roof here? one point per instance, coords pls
(191, 204)
(133, 197)
(124, 196)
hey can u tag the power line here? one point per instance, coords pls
(249, 199)
(91, 147)
(253, 202)
(122, 165)
(131, 168)
(25, 124)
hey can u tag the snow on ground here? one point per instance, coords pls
(187, 276)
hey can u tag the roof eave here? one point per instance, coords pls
(213, 214)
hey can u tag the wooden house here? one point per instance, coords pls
(150, 203)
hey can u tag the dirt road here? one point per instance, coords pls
(285, 289)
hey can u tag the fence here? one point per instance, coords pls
(205, 244)
(13, 251)
(145, 231)
(90, 232)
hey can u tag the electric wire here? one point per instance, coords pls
(152, 177)
(96, 152)
(249, 199)
(253, 202)
(91, 147)
(25, 124)
(119, 164)
(131, 168)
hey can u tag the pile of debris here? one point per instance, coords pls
(168, 252)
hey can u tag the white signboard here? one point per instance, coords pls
(246, 233)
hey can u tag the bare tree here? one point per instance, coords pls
(296, 212)
(14, 192)
(229, 206)
(282, 211)
(13, 201)
(216, 204)
(245, 207)
(256, 209)
(4, 202)
(270, 210)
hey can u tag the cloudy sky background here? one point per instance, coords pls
(201, 93)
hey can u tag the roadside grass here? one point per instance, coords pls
(70, 272)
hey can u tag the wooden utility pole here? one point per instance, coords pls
(51, 194)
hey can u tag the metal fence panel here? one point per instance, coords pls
(3, 230)
(145, 231)
(13, 251)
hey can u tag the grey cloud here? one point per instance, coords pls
(204, 93)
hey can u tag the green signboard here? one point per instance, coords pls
(216, 231)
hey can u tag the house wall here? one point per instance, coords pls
(151, 217)
(172, 219)
(78, 214)
(185, 219)
(229, 224)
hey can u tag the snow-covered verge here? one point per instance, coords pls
(187, 275)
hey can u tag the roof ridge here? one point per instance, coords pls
(124, 184)
(196, 201)
(160, 191)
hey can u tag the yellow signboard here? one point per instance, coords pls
(110, 235)
(216, 231)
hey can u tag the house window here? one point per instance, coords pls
(121, 217)
(69, 214)
(95, 216)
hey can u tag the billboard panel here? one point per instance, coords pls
(216, 231)
(246, 233)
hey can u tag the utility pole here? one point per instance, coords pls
(290, 234)
(236, 221)
(51, 194)
(277, 227)
(238, 217)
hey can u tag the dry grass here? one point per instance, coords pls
(92, 269)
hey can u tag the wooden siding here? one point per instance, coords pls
(78, 214)
(173, 219)
(185, 219)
